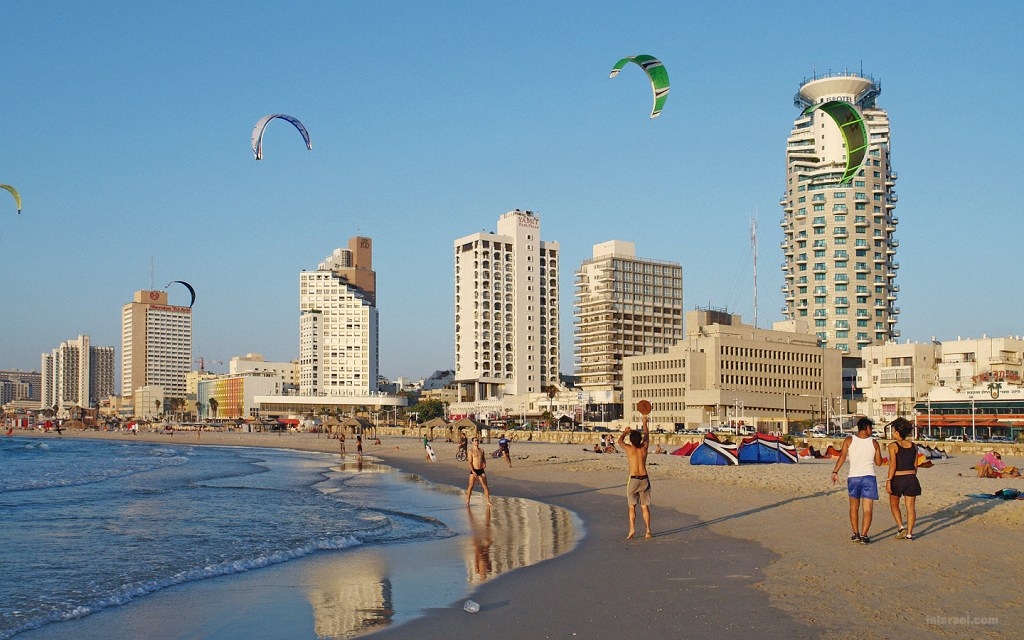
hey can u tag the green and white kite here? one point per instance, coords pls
(14, 192)
(655, 71)
(855, 133)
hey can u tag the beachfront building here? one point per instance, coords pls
(506, 312)
(338, 342)
(979, 389)
(893, 376)
(840, 245)
(156, 345)
(724, 372)
(624, 306)
(233, 396)
(287, 373)
(21, 389)
(76, 374)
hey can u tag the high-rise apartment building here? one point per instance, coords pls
(506, 310)
(624, 306)
(338, 342)
(840, 245)
(156, 345)
(76, 374)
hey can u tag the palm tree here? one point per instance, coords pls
(552, 391)
(213, 407)
(199, 409)
(156, 404)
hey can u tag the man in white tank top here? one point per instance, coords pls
(864, 454)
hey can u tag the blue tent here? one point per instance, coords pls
(766, 449)
(713, 452)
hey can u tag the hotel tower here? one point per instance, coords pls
(506, 310)
(338, 342)
(625, 306)
(840, 245)
(156, 344)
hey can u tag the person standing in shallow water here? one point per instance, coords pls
(477, 471)
(638, 489)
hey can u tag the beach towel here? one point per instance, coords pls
(1002, 494)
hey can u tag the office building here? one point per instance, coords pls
(156, 345)
(726, 372)
(506, 310)
(840, 245)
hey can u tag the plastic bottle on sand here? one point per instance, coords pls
(471, 606)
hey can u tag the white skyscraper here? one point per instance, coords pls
(506, 310)
(338, 344)
(839, 245)
(156, 345)
(76, 374)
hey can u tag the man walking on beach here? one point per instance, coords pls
(503, 443)
(477, 471)
(638, 489)
(864, 455)
(341, 442)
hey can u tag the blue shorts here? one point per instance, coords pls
(862, 487)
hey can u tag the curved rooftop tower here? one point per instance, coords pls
(840, 246)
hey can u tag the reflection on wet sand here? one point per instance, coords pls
(515, 533)
(353, 594)
(350, 597)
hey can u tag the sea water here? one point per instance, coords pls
(90, 524)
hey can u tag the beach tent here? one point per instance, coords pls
(686, 449)
(713, 452)
(762, 448)
(832, 452)
(810, 452)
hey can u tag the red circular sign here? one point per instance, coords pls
(154, 295)
(644, 407)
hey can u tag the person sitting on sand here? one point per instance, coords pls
(992, 466)
(660, 450)
(597, 448)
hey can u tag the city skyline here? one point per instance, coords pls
(127, 134)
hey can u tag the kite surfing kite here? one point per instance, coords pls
(261, 125)
(855, 134)
(187, 286)
(655, 71)
(14, 192)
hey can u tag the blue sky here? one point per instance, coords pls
(125, 126)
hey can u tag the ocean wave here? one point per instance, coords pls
(128, 592)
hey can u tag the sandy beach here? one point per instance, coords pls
(737, 550)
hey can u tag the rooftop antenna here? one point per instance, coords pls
(753, 245)
(151, 266)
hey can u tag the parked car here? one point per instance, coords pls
(955, 439)
(1003, 439)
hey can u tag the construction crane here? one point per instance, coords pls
(202, 363)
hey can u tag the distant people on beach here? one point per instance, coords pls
(503, 444)
(341, 442)
(902, 479)
(660, 450)
(359, 445)
(376, 441)
(477, 460)
(992, 466)
(861, 485)
(638, 488)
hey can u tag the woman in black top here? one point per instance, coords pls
(902, 480)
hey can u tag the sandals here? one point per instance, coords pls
(901, 533)
(855, 537)
(909, 536)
